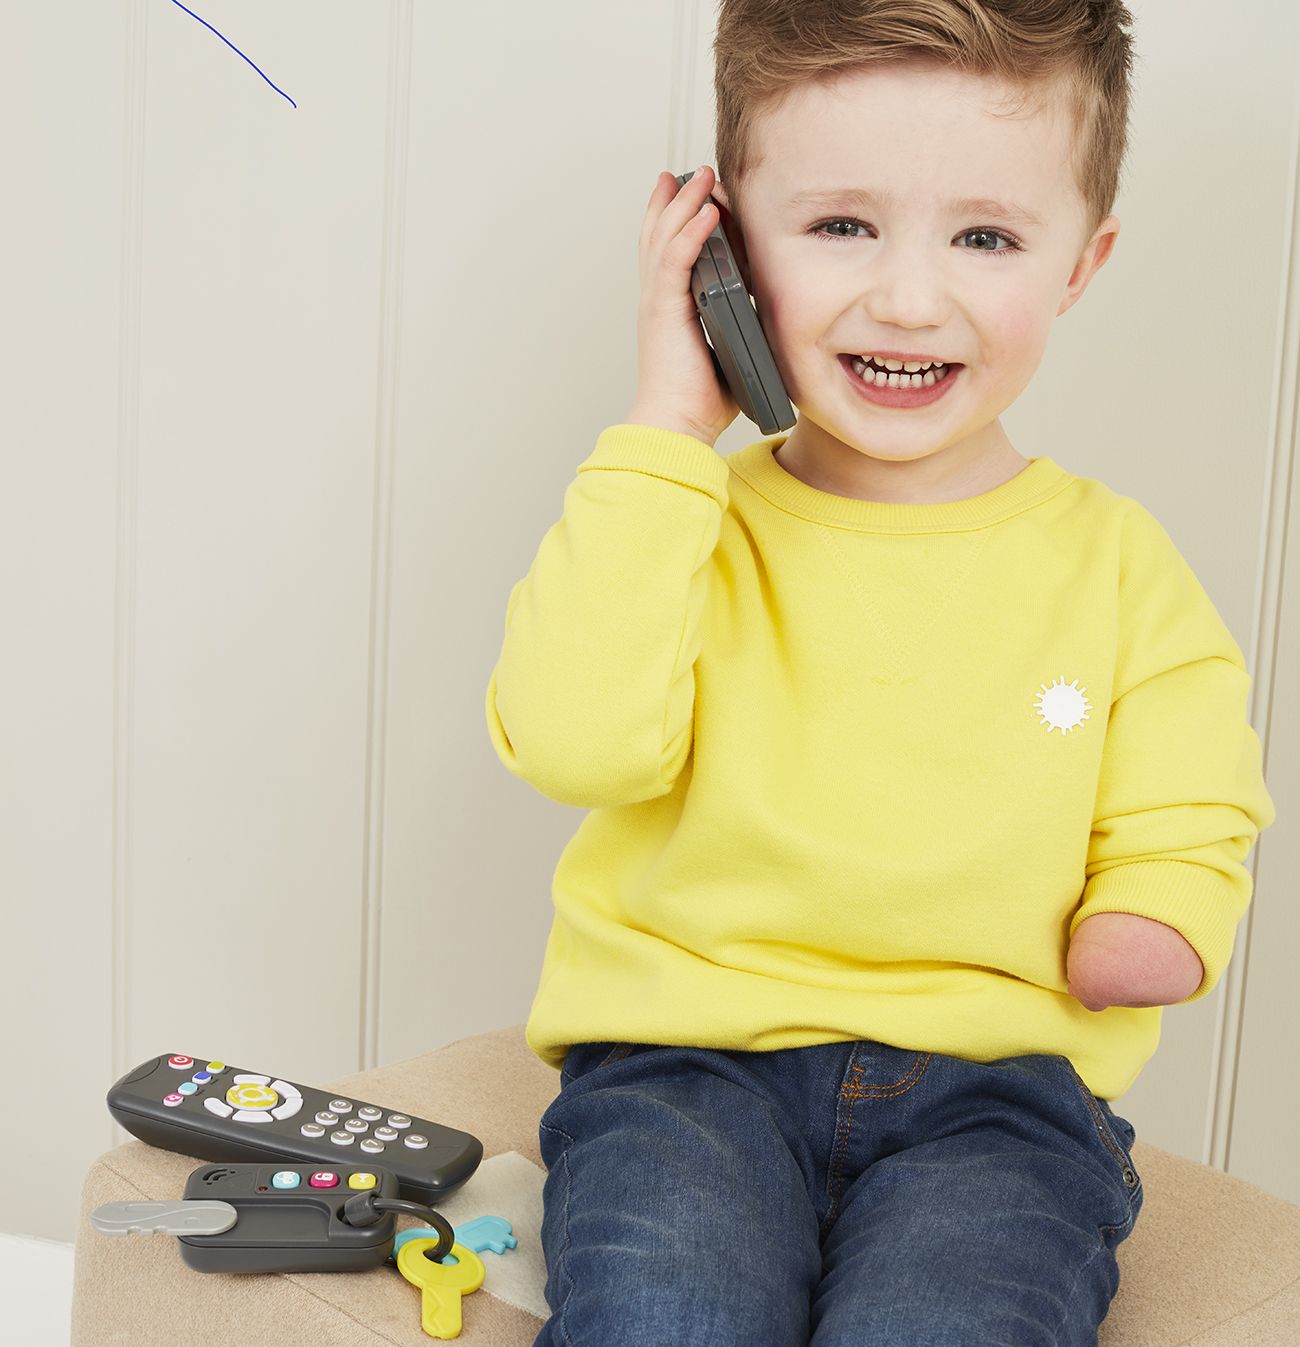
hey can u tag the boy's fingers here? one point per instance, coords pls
(661, 199)
(678, 210)
(685, 247)
(653, 210)
(687, 201)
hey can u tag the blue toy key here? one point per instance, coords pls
(490, 1233)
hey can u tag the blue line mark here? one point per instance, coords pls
(232, 47)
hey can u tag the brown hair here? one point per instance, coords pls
(764, 49)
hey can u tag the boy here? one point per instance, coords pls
(919, 771)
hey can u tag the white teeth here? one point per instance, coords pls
(911, 366)
(892, 379)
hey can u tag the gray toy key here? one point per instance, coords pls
(165, 1218)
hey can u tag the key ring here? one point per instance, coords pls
(366, 1209)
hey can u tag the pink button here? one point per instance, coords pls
(325, 1179)
(171, 1100)
(183, 1063)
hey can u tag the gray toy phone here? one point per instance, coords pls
(741, 355)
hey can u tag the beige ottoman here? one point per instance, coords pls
(1213, 1261)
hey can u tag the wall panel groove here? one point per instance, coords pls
(135, 82)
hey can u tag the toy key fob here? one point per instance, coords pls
(266, 1218)
(290, 1219)
(741, 356)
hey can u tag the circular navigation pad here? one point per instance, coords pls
(250, 1095)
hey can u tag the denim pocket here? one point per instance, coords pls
(1115, 1133)
(583, 1058)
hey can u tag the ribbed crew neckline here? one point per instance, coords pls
(1033, 484)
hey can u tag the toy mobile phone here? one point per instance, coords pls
(740, 351)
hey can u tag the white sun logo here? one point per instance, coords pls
(1062, 707)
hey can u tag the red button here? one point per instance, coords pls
(325, 1179)
(171, 1100)
(183, 1063)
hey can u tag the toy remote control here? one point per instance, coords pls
(217, 1112)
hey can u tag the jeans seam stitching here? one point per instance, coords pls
(852, 1090)
(892, 1090)
(562, 1260)
(834, 1178)
(1107, 1140)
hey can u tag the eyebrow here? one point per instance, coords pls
(859, 199)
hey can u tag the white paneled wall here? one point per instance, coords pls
(291, 394)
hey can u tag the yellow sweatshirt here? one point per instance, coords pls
(858, 769)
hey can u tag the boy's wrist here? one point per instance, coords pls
(648, 416)
(1121, 959)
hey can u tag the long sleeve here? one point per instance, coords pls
(592, 697)
(1181, 796)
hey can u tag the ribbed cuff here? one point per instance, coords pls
(1199, 903)
(670, 454)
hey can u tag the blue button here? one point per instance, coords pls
(286, 1178)
(201, 1077)
(187, 1087)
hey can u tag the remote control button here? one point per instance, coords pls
(286, 1178)
(287, 1109)
(386, 1133)
(370, 1113)
(286, 1090)
(341, 1105)
(217, 1107)
(374, 1147)
(325, 1178)
(247, 1079)
(251, 1115)
(357, 1125)
(342, 1138)
(216, 1067)
(361, 1181)
(312, 1130)
(201, 1077)
(249, 1094)
(171, 1100)
(398, 1120)
(326, 1117)
(181, 1063)
(187, 1087)
(416, 1142)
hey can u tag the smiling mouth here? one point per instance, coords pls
(903, 379)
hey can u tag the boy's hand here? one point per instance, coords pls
(677, 387)
(1118, 959)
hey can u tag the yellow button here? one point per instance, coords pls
(216, 1066)
(248, 1095)
(361, 1181)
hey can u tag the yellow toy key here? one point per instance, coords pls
(441, 1284)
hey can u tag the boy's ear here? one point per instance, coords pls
(1095, 254)
(733, 233)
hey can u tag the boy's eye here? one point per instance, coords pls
(1013, 244)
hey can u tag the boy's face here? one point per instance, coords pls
(909, 273)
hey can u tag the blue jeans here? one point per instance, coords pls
(847, 1194)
